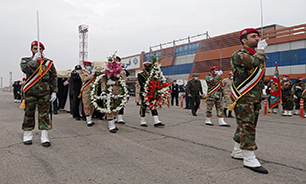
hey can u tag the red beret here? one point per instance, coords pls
(214, 67)
(87, 62)
(23, 78)
(286, 75)
(118, 58)
(36, 43)
(247, 31)
(300, 77)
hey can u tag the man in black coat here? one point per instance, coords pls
(77, 84)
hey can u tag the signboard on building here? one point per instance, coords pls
(132, 62)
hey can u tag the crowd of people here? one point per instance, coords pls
(87, 93)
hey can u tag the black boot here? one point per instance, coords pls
(230, 114)
(225, 112)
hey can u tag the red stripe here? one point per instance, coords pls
(253, 83)
(214, 89)
(233, 95)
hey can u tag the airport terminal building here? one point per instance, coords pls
(287, 49)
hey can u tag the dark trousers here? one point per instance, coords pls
(195, 102)
(76, 104)
(143, 108)
(121, 112)
(187, 100)
(174, 95)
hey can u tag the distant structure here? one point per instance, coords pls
(11, 81)
(83, 37)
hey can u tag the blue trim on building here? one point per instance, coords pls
(147, 57)
(186, 49)
(177, 69)
(287, 58)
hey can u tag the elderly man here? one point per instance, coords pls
(194, 90)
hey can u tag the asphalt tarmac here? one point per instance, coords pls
(185, 151)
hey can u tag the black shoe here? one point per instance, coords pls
(121, 122)
(159, 124)
(258, 169)
(144, 125)
(29, 142)
(78, 118)
(209, 124)
(55, 112)
(84, 118)
(89, 125)
(194, 114)
(113, 130)
(227, 125)
(230, 116)
(46, 144)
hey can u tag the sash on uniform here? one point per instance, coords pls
(87, 83)
(304, 92)
(35, 76)
(214, 89)
(246, 85)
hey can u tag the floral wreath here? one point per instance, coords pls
(112, 71)
(156, 94)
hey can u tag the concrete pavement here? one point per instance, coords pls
(184, 151)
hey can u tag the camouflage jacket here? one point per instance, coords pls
(212, 81)
(45, 85)
(243, 64)
(286, 87)
(297, 91)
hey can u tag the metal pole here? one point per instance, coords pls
(38, 32)
(261, 17)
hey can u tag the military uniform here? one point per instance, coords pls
(88, 107)
(226, 90)
(248, 106)
(287, 97)
(297, 92)
(216, 97)
(194, 88)
(303, 96)
(38, 94)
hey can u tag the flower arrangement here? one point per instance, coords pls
(156, 94)
(110, 102)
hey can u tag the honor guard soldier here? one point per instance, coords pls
(287, 95)
(248, 67)
(87, 77)
(214, 96)
(142, 79)
(39, 89)
(297, 92)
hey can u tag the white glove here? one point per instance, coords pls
(294, 96)
(66, 83)
(262, 44)
(110, 82)
(220, 72)
(53, 97)
(37, 56)
(298, 87)
(102, 93)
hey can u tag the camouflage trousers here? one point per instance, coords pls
(247, 113)
(210, 104)
(88, 107)
(297, 103)
(43, 107)
(287, 103)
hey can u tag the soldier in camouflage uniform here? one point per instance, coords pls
(297, 92)
(39, 93)
(214, 96)
(243, 63)
(86, 76)
(287, 95)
